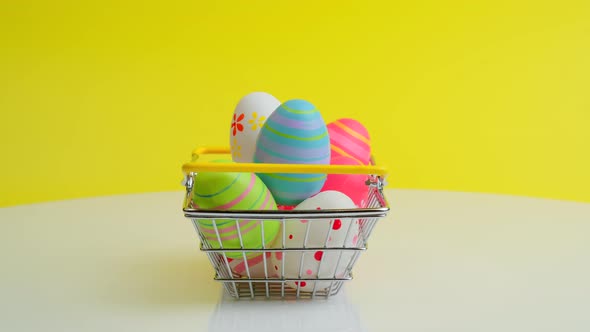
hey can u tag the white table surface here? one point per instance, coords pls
(440, 262)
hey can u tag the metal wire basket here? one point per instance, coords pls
(276, 269)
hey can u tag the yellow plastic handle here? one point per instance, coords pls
(210, 150)
(196, 166)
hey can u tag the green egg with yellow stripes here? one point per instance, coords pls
(234, 191)
(295, 133)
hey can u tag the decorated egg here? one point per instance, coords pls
(295, 133)
(234, 191)
(318, 264)
(254, 264)
(353, 185)
(329, 233)
(349, 138)
(248, 118)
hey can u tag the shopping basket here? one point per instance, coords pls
(275, 283)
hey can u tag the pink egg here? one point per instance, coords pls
(352, 185)
(349, 138)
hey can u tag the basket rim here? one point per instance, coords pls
(287, 214)
(196, 166)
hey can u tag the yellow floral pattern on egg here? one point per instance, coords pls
(257, 121)
(236, 149)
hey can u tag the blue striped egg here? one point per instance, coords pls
(295, 133)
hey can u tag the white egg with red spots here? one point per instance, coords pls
(314, 264)
(329, 233)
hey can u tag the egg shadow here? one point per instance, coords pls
(262, 315)
(161, 281)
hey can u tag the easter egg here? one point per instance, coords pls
(318, 264)
(254, 264)
(234, 191)
(335, 233)
(352, 185)
(349, 138)
(295, 133)
(249, 116)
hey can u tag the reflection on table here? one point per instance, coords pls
(334, 314)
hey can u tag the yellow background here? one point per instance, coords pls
(111, 97)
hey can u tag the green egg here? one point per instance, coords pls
(234, 191)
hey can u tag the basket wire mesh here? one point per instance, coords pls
(272, 281)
